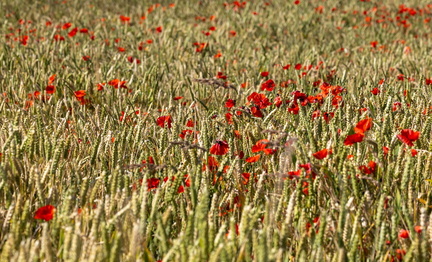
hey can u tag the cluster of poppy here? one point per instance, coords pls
(153, 183)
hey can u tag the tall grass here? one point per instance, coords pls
(126, 186)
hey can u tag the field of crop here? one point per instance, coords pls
(215, 131)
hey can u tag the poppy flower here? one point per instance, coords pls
(259, 146)
(50, 89)
(46, 213)
(256, 112)
(51, 79)
(246, 177)
(370, 169)
(229, 118)
(277, 101)
(124, 19)
(259, 100)
(219, 148)
(352, 139)
(221, 75)
(164, 121)
(375, 91)
(80, 93)
(363, 126)
(190, 123)
(66, 26)
(292, 174)
(418, 229)
(268, 85)
(152, 183)
(73, 32)
(58, 38)
(253, 159)
(185, 132)
(328, 116)
(116, 83)
(230, 103)
(408, 136)
(322, 154)
(403, 233)
(264, 74)
(212, 164)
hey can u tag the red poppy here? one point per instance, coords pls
(277, 101)
(86, 58)
(50, 89)
(164, 121)
(51, 79)
(230, 103)
(73, 32)
(253, 159)
(58, 38)
(264, 74)
(268, 85)
(219, 54)
(158, 29)
(408, 136)
(24, 39)
(292, 174)
(190, 123)
(328, 116)
(418, 229)
(363, 126)
(185, 132)
(221, 75)
(256, 111)
(375, 91)
(370, 169)
(80, 93)
(219, 148)
(152, 183)
(212, 164)
(246, 177)
(177, 98)
(403, 233)
(46, 213)
(259, 146)
(414, 152)
(66, 26)
(259, 100)
(400, 253)
(124, 19)
(352, 139)
(322, 153)
(229, 118)
(116, 83)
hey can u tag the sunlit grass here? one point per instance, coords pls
(212, 131)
